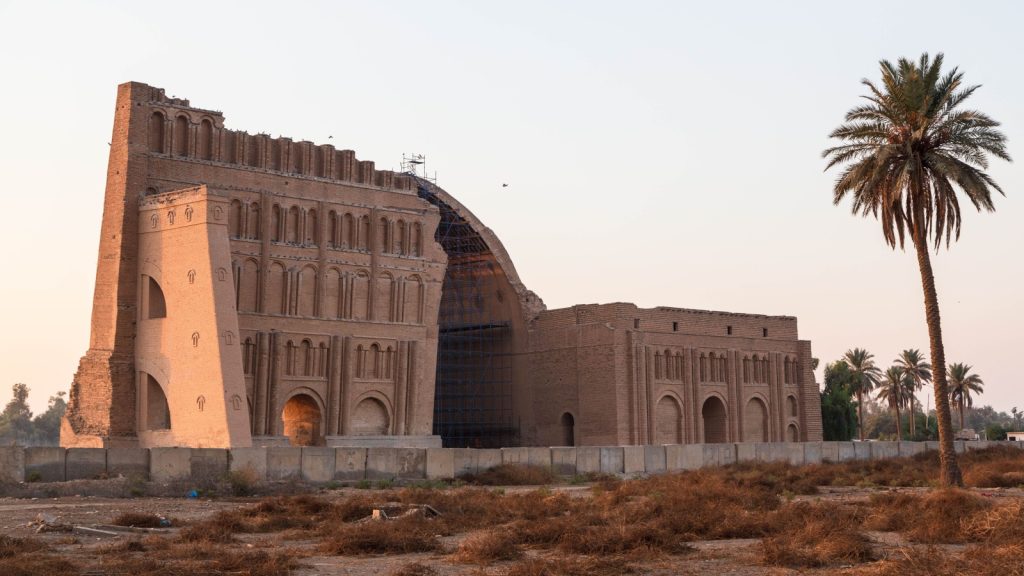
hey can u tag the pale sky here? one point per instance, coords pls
(662, 153)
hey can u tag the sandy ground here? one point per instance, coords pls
(739, 557)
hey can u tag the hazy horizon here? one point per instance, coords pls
(667, 154)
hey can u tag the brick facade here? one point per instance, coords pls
(263, 289)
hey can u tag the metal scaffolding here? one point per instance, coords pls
(473, 387)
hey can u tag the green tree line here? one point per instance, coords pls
(18, 426)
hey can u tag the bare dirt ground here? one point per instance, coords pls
(733, 557)
(767, 519)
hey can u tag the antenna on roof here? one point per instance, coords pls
(416, 164)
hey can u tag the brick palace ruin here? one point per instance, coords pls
(263, 291)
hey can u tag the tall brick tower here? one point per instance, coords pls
(101, 411)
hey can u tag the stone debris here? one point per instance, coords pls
(50, 523)
(396, 510)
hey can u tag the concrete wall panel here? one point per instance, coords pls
(85, 463)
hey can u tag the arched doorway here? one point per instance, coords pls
(716, 422)
(370, 418)
(301, 417)
(669, 422)
(568, 430)
(755, 421)
(793, 433)
(156, 412)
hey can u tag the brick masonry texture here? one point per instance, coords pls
(258, 291)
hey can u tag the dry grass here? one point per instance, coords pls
(402, 536)
(619, 527)
(512, 475)
(938, 517)
(414, 569)
(138, 520)
(570, 566)
(30, 557)
(487, 548)
(816, 534)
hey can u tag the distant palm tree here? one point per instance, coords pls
(962, 383)
(905, 152)
(865, 378)
(912, 362)
(894, 391)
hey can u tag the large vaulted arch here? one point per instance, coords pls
(481, 321)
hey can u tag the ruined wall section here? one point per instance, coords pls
(105, 381)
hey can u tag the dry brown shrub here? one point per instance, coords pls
(639, 539)
(996, 467)
(1003, 559)
(206, 559)
(937, 517)
(818, 534)
(511, 475)
(11, 547)
(777, 477)
(37, 565)
(414, 569)
(487, 547)
(402, 536)
(570, 566)
(209, 531)
(1001, 523)
(699, 505)
(138, 520)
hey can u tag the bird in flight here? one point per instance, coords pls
(503, 185)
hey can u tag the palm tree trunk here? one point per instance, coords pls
(899, 432)
(911, 415)
(961, 413)
(950, 470)
(860, 414)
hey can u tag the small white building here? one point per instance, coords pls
(1015, 436)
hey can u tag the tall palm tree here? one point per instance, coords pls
(962, 383)
(905, 152)
(912, 362)
(865, 377)
(894, 392)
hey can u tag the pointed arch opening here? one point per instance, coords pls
(568, 430)
(716, 421)
(301, 419)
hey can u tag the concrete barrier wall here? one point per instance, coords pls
(329, 464)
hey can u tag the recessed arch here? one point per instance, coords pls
(301, 419)
(568, 426)
(156, 304)
(156, 412)
(755, 421)
(715, 419)
(791, 406)
(156, 132)
(668, 421)
(793, 433)
(371, 417)
(180, 136)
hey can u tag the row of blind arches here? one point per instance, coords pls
(175, 137)
(346, 295)
(373, 362)
(714, 368)
(714, 419)
(345, 230)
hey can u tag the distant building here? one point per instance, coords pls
(1015, 436)
(263, 290)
